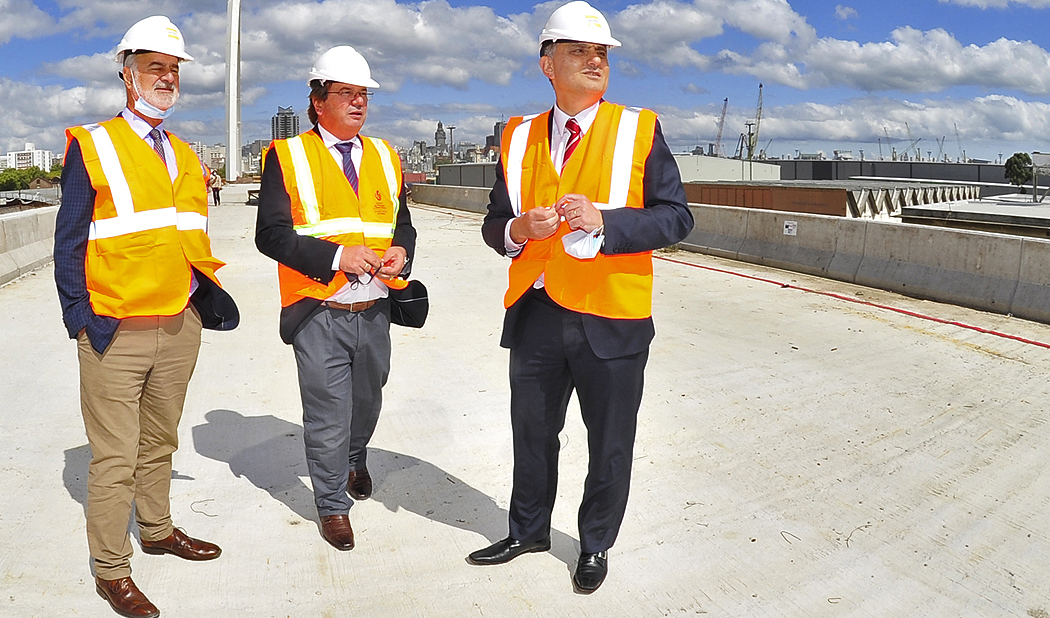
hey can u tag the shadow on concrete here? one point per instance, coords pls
(75, 471)
(269, 452)
(266, 450)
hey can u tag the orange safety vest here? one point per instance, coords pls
(325, 206)
(607, 166)
(146, 232)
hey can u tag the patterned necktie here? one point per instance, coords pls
(573, 128)
(158, 146)
(348, 163)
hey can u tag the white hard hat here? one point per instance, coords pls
(578, 21)
(155, 34)
(343, 64)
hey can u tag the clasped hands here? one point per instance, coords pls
(360, 260)
(540, 223)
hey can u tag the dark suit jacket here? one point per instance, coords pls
(216, 307)
(276, 238)
(665, 220)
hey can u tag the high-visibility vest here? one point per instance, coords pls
(607, 166)
(324, 205)
(146, 231)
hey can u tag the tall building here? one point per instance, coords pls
(284, 124)
(439, 138)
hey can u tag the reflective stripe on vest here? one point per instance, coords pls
(127, 220)
(304, 183)
(623, 159)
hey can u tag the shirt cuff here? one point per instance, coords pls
(338, 255)
(513, 248)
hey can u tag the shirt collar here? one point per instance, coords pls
(585, 118)
(330, 140)
(138, 125)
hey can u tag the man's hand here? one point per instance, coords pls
(393, 262)
(579, 212)
(536, 224)
(358, 260)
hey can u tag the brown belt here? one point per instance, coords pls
(353, 307)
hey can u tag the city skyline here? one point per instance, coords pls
(970, 75)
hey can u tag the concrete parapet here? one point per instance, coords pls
(1032, 298)
(26, 241)
(473, 199)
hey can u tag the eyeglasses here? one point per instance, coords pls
(364, 278)
(350, 95)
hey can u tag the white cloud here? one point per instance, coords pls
(22, 18)
(845, 12)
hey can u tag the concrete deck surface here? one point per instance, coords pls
(798, 455)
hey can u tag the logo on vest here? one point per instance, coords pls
(379, 206)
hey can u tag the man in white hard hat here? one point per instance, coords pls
(136, 279)
(584, 193)
(333, 214)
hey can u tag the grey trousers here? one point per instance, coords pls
(343, 360)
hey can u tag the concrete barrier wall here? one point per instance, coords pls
(474, 199)
(27, 241)
(991, 272)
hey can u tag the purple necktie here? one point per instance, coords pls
(158, 146)
(348, 163)
(573, 128)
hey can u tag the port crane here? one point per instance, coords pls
(752, 134)
(721, 125)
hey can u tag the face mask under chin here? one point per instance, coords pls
(144, 107)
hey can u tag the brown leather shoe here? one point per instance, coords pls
(337, 531)
(183, 546)
(360, 485)
(125, 598)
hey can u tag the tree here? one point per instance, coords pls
(1019, 169)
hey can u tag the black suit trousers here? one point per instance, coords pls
(551, 359)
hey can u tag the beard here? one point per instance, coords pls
(160, 98)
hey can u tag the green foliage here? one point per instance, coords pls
(14, 180)
(1019, 168)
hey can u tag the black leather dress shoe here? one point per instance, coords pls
(590, 572)
(506, 550)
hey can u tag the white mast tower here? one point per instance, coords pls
(233, 91)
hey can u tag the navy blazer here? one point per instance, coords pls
(216, 307)
(664, 221)
(276, 238)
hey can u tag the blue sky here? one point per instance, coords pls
(837, 75)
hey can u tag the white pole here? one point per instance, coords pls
(233, 91)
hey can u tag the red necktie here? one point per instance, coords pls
(573, 128)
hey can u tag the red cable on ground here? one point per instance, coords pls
(864, 302)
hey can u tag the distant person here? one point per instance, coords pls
(333, 213)
(215, 182)
(584, 193)
(136, 279)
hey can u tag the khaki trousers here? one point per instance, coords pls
(131, 398)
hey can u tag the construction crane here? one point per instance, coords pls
(752, 134)
(721, 125)
(918, 155)
(889, 142)
(940, 147)
(962, 153)
(880, 148)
